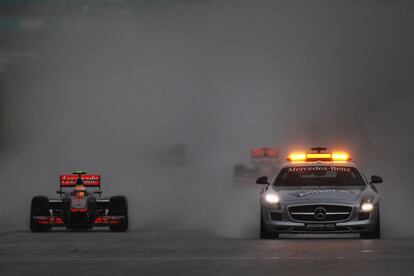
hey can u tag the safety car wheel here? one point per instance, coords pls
(376, 234)
(264, 234)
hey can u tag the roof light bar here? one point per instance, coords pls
(341, 156)
(335, 156)
(297, 157)
(318, 156)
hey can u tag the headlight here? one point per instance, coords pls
(367, 206)
(272, 200)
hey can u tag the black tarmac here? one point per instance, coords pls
(175, 252)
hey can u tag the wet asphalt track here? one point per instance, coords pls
(197, 253)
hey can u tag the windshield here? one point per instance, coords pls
(319, 176)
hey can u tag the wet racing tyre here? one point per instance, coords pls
(264, 234)
(118, 206)
(374, 235)
(240, 171)
(39, 207)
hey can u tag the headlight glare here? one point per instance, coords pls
(367, 207)
(272, 199)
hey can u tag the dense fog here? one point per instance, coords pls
(114, 89)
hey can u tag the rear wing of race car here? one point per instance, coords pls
(88, 180)
(264, 152)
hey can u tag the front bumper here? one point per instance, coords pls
(284, 223)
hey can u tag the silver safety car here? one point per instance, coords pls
(319, 192)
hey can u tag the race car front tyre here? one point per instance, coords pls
(374, 235)
(264, 234)
(118, 206)
(39, 207)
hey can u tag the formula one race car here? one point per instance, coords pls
(264, 162)
(319, 192)
(79, 208)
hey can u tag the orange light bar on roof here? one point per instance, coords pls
(341, 156)
(335, 156)
(297, 157)
(318, 156)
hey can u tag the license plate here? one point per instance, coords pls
(320, 226)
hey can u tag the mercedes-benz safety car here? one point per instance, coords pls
(264, 161)
(319, 192)
(79, 206)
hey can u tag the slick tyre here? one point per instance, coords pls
(118, 206)
(264, 234)
(374, 235)
(39, 207)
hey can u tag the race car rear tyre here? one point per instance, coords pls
(39, 207)
(118, 206)
(264, 234)
(376, 234)
(240, 171)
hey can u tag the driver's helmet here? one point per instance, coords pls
(80, 191)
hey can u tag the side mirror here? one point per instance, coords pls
(262, 180)
(376, 179)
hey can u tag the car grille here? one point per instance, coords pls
(320, 213)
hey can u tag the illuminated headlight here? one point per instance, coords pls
(272, 200)
(367, 207)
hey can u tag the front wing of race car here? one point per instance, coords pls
(55, 221)
(58, 213)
